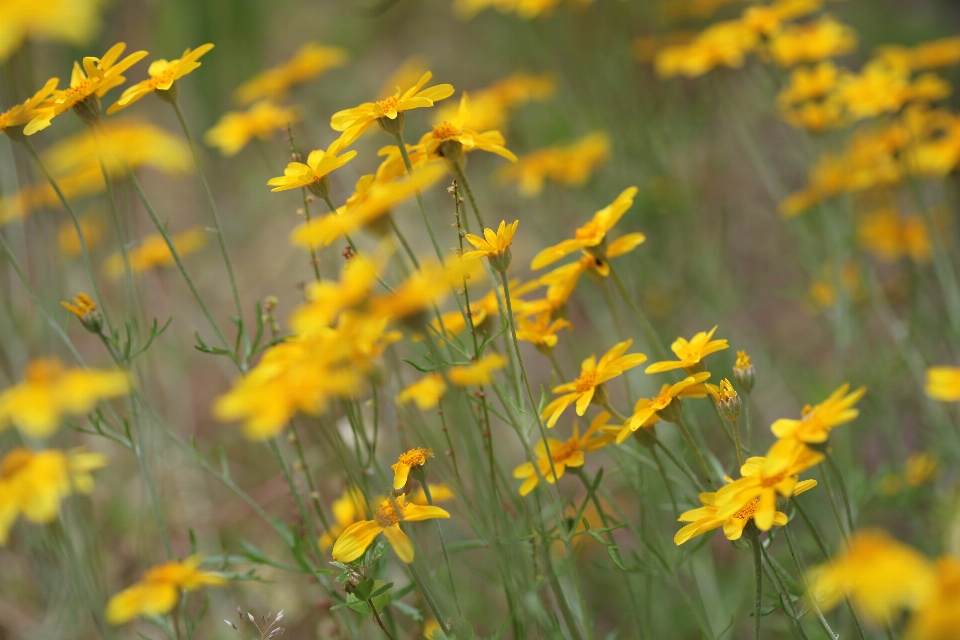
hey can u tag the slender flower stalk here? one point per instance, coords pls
(758, 584)
(398, 136)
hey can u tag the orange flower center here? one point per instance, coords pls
(386, 516)
(43, 371)
(415, 457)
(747, 511)
(587, 381)
(165, 77)
(389, 103)
(82, 90)
(445, 131)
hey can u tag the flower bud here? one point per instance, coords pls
(743, 372)
(86, 311)
(393, 126)
(673, 412)
(647, 436)
(451, 150)
(600, 395)
(728, 402)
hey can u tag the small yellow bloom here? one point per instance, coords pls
(439, 492)
(928, 55)
(20, 114)
(562, 281)
(690, 352)
(725, 44)
(153, 252)
(569, 165)
(540, 330)
(495, 246)
(235, 129)
(309, 62)
(407, 461)
(817, 421)
(159, 590)
(351, 507)
(943, 383)
(72, 21)
(83, 307)
(920, 468)
(424, 288)
(706, 518)
(593, 374)
(320, 163)
(812, 42)
(478, 373)
(32, 483)
(937, 617)
(356, 538)
(880, 574)
(689, 387)
(451, 137)
(326, 299)
(49, 392)
(564, 454)
(92, 228)
(162, 76)
(492, 105)
(889, 236)
(426, 392)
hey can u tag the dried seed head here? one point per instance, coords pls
(233, 626)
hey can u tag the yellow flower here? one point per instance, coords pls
(235, 129)
(72, 21)
(439, 493)
(563, 280)
(358, 119)
(162, 76)
(937, 617)
(32, 483)
(495, 246)
(407, 461)
(153, 252)
(928, 55)
(426, 392)
(20, 114)
(445, 137)
(392, 167)
(882, 88)
(478, 373)
(49, 392)
(810, 83)
(430, 629)
(564, 454)
(706, 518)
(920, 468)
(812, 42)
(87, 85)
(689, 387)
(454, 322)
(592, 375)
(566, 165)
(351, 507)
(86, 311)
(822, 292)
(69, 242)
(540, 330)
(492, 105)
(423, 288)
(943, 383)
(889, 236)
(356, 538)
(817, 422)
(159, 590)
(690, 353)
(880, 574)
(326, 299)
(722, 44)
(590, 235)
(309, 62)
(320, 163)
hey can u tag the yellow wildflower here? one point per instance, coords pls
(928, 55)
(920, 468)
(569, 165)
(812, 42)
(817, 421)
(707, 518)
(864, 571)
(153, 252)
(423, 288)
(478, 373)
(593, 374)
(882, 88)
(822, 292)
(563, 280)
(83, 307)
(158, 592)
(590, 235)
(32, 483)
(690, 353)
(326, 299)
(439, 493)
(312, 175)
(722, 44)
(430, 629)
(564, 454)
(540, 330)
(309, 62)
(356, 538)
(49, 392)
(491, 106)
(20, 114)
(407, 74)
(235, 129)
(890, 237)
(494, 246)
(72, 21)
(689, 387)
(937, 617)
(943, 383)
(407, 461)
(392, 167)
(426, 392)
(451, 137)
(350, 508)
(162, 76)
(69, 242)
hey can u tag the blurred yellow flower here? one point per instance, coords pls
(309, 62)
(937, 617)
(818, 421)
(943, 383)
(812, 42)
(882, 88)
(593, 374)
(540, 330)
(162, 76)
(423, 288)
(357, 537)
(526, 9)
(32, 483)
(406, 462)
(691, 352)
(20, 114)
(319, 164)
(890, 236)
(425, 392)
(91, 225)
(928, 55)
(235, 129)
(569, 165)
(478, 373)
(153, 252)
(349, 508)
(158, 592)
(689, 387)
(722, 44)
(920, 468)
(455, 131)
(71, 21)
(491, 106)
(326, 299)
(880, 574)
(49, 392)
(823, 292)
(706, 518)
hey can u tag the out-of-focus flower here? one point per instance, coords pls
(409, 460)
(943, 383)
(569, 453)
(235, 129)
(540, 330)
(865, 570)
(812, 42)
(309, 62)
(722, 44)
(356, 538)
(569, 165)
(159, 590)
(162, 76)
(20, 114)
(153, 252)
(646, 48)
(823, 291)
(348, 509)
(478, 373)
(884, 88)
(425, 392)
(451, 137)
(819, 420)
(32, 483)
(406, 75)
(311, 175)
(928, 55)
(423, 288)
(72, 21)
(491, 106)
(920, 468)
(588, 387)
(767, 20)
(91, 225)
(526, 9)
(326, 299)
(890, 236)
(690, 387)
(690, 352)
(937, 617)
(49, 392)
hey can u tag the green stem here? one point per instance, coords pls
(443, 547)
(736, 436)
(314, 494)
(151, 488)
(685, 432)
(462, 177)
(666, 481)
(275, 448)
(828, 485)
(431, 603)
(652, 337)
(758, 582)
(556, 366)
(423, 211)
(806, 587)
(677, 463)
(845, 498)
(314, 261)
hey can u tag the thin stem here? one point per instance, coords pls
(423, 212)
(462, 177)
(666, 481)
(677, 463)
(843, 491)
(151, 488)
(773, 574)
(806, 587)
(376, 617)
(685, 432)
(556, 365)
(431, 603)
(746, 418)
(115, 218)
(443, 547)
(652, 337)
(736, 436)
(758, 582)
(833, 503)
(275, 448)
(314, 494)
(314, 261)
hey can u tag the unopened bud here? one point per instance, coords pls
(743, 372)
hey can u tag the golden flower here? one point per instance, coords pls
(162, 76)
(593, 374)
(815, 116)
(494, 245)
(491, 106)
(927, 55)
(822, 292)
(158, 592)
(937, 617)
(20, 114)
(309, 62)
(563, 280)
(425, 392)
(943, 383)
(722, 44)
(706, 518)
(235, 129)
(865, 571)
(812, 42)
(810, 83)
(540, 330)
(767, 20)
(407, 461)
(882, 88)
(407, 74)
(690, 353)
(87, 85)
(72, 21)
(83, 307)
(153, 252)
(455, 130)
(569, 453)
(439, 492)
(357, 537)
(890, 237)
(392, 167)
(350, 508)
(817, 421)
(49, 392)
(689, 387)
(478, 373)
(32, 483)
(453, 322)
(920, 468)
(320, 163)
(69, 242)
(526, 9)
(358, 119)
(590, 235)
(569, 165)
(326, 299)
(423, 288)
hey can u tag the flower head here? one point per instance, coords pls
(357, 537)
(312, 175)
(159, 590)
(20, 114)
(937, 617)
(73, 21)
(426, 392)
(309, 62)
(540, 329)
(49, 392)
(495, 246)
(689, 387)
(690, 352)
(943, 383)
(707, 518)
(83, 307)
(452, 137)
(569, 165)
(812, 42)
(423, 288)
(478, 373)
(593, 374)
(235, 129)
(153, 252)
(162, 74)
(349, 508)
(408, 460)
(817, 421)
(569, 453)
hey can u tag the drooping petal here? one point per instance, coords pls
(400, 542)
(355, 539)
